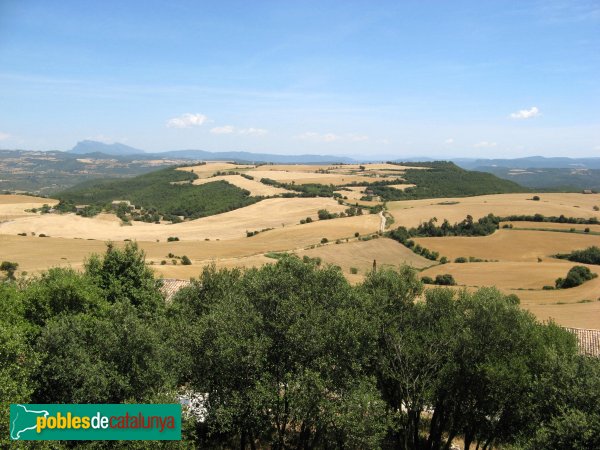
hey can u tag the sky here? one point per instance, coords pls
(370, 79)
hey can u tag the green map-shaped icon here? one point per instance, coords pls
(23, 419)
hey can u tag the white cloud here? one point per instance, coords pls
(227, 129)
(187, 120)
(485, 144)
(449, 141)
(526, 113)
(4, 136)
(253, 131)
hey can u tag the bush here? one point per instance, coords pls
(326, 215)
(443, 260)
(324, 241)
(427, 280)
(10, 268)
(353, 270)
(461, 260)
(536, 198)
(357, 234)
(576, 276)
(186, 261)
(445, 280)
(172, 239)
(596, 208)
(590, 255)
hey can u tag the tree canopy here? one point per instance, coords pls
(292, 356)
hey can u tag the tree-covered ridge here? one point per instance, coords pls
(292, 356)
(167, 192)
(445, 179)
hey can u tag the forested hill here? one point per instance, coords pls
(167, 192)
(446, 179)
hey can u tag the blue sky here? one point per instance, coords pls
(364, 79)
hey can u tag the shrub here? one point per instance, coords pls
(461, 259)
(186, 261)
(576, 276)
(357, 234)
(586, 230)
(326, 215)
(548, 288)
(10, 268)
(172, 239)
(445, 280)
(353, 270)
(163, 263)
(536, 198)
(324, 241)
(590, 255)
(308, 220)
(427, 280)
(443, 260)
(596, 208)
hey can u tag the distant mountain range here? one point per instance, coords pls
(116, 149)
(486, 165)
(120, 150)
(530, 162)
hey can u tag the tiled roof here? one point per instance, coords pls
(589, 340)
(170, 286)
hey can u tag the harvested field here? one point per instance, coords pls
(12, 206)
(355, 194)
(552, 226)
(410, 213)
(306, 177)
(208, 169)
(579, 315)
(506, 275)
(269, 213)
(401, 186)
(35, 254)
(256, 188)
(510, 245)
(360, 254)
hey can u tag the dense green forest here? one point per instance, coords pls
(166, 192)
(292, 356)
(445, 179)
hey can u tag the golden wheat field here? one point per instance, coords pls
(552, 226)
(412, 212)
(510, 245)
(520, 259)
(256, 188)
(269, 213)
(361, 254)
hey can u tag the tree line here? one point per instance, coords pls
(292, 356)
